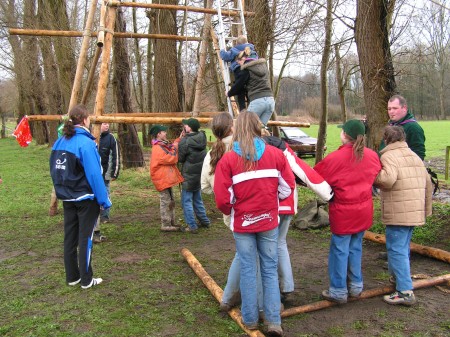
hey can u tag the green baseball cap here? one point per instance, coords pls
(155, 129)
(193, 123)
(353, 128)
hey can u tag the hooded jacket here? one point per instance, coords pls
(255, 77)
(191, 153)
(76, 171)
(406, 191)
(351, 209)
(163, 165)
(251, 197)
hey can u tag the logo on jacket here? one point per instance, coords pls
(60, 163)
(249, 219)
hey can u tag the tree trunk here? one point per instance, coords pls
(377, 71)
(64, 49)
(322, 136)
(259, 27)
(52, 87)
(166, 66)
(131, 150)
(340, 83)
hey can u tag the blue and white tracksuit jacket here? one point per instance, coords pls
(76, 171)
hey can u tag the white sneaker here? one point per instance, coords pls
(74, 283)
(94, 282)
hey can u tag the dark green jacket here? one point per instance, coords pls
(415, 137)
(191, 152)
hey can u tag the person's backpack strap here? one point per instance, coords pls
(434, 180)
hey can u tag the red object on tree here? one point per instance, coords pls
(23, 133)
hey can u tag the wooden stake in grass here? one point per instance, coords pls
(215, 290)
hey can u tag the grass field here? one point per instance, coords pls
(149, 290)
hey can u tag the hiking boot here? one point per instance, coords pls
(253, 326)
(326, 295)
(94, 282)
(98, 238)
(74, 283)
(355, 295)
(405, 297)
(285, 297)
(274, 330)
(170, 229)
(189, 230)
(205, 225)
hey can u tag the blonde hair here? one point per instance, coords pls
(245, 53)
(241, 39)
(221, 128)
(247, 128)
(358, 145)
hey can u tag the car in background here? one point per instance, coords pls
(301, 143)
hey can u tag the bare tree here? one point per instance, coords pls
(131, 150)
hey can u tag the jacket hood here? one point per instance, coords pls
(260, 146)
(394, 146)
(257, 67)
(196, 140)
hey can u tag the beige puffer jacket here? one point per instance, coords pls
(405, 185)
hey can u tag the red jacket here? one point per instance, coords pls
(251, 198)
(351, 209)
(163, 165)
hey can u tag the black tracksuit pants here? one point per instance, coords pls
(80, 218)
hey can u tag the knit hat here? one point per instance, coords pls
(155, 129)
(353, 128)
(192, 123)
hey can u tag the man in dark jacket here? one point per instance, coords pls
(191, 152)
(400, 116)
(108, 149)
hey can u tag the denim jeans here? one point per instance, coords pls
(264, 245)
(345, 256)
(193, 208)
(398, 239)
(284, 261)
(104, 213)
(263, 107)
(233, 281)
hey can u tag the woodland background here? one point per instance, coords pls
(329, 60)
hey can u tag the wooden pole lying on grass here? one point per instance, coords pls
(215, 290)
(435, 253)
(151, 120)
(365, 294)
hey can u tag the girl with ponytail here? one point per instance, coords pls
(351, 172)
(77, 178)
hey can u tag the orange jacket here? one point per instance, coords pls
(163, 165)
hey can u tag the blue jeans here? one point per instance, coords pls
(193, 207)
(284, 261)
(263, 107)
(264, 245)
(398, 239)
(104, 213)
(345, 256)
(232, 287)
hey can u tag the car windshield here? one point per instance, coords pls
(294, 133)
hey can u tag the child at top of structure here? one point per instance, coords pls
(165, 174)
(230, 56)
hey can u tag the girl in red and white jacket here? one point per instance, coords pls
(248, 183)
(351, 172)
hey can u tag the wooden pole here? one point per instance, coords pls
(435, 253)
(102, 25)
(215, 290)
(104, 68)
(97, 119)
(202, 60)
(162, 114)
(120, 35)
(90, 79)
(425, 283)
(180, 8)
(83, 55)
